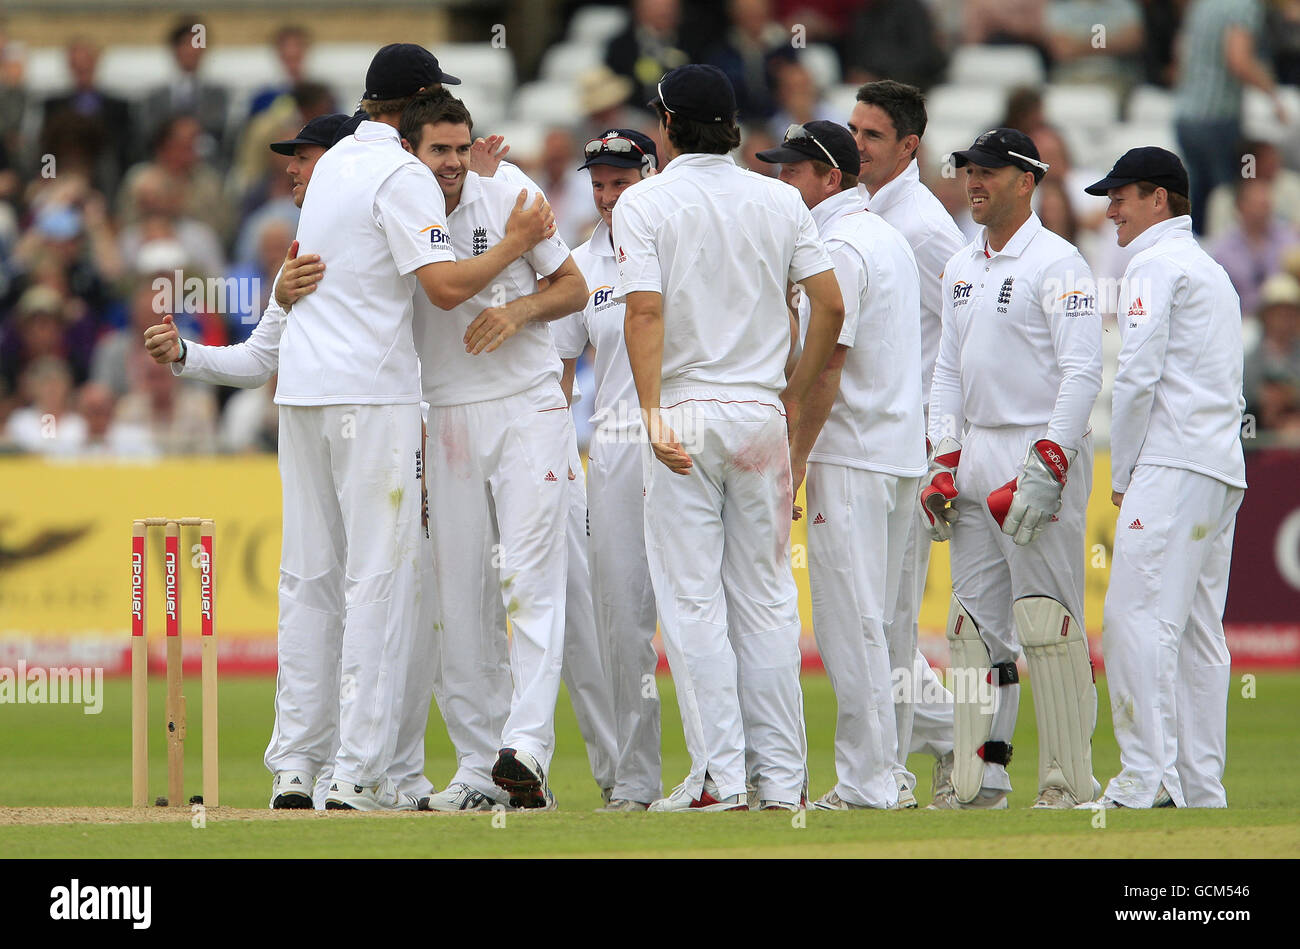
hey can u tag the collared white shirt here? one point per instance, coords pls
(600, 323)
(451, 376)
(930, 231)
(876, 422)
(719, 243)
(375, 215)
(1177, 400)
(1021, 340)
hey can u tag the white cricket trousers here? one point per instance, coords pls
(1167, 660)
(922, 705)
(718, 546)
(625, 608)
(498, 496)
(349, 564)
(989, 571)
(585, 661)
(857, 533)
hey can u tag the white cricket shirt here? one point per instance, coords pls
(600, 323)
(911, 208)
(719, 243)
(1021, 341)
(876, 421)
(448, 374)
(375, 215)
(1177, 400)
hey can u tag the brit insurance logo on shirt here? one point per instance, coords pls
(961, 292)
(602, 298)
(438, 236)
(1078, 303)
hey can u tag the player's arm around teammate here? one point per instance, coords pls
(1178, 476)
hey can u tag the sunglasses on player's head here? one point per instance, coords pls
(615, 144)
(796, 132)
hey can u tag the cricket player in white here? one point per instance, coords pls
(705, 251)
(499, 432)
(887, 123)
(350, 427)
(864, 467)
(621, 588)
(1018, 370)
(1178, 476)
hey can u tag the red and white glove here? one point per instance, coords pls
(938, 489)
(1024, 506)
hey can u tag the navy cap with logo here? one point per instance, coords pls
(698, 92)
(322, 131)
(403, 69)
(1160, 167)
(999, 148)
(622, 148)
(819, 141)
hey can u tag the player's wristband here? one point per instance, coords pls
(182, 356)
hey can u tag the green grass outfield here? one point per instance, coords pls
(54, 757)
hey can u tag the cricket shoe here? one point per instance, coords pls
(607, 795)
(906, 799)
(374, 797)
(709, 800)
(988, 799)
(941, 776)
(291, 791)
(831, 801)
(1054, 798)
(521, 776)
(455, 798)
(1106, 804)
(621, 805)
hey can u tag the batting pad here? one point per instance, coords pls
(972, 701)
(1065, 699)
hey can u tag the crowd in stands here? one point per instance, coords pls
(104, 198)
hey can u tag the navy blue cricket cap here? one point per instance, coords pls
(1162, 168)
(321, 131)
(622, 148)
(698, 92)
(822, 141)
(998, 148)
(403, 69)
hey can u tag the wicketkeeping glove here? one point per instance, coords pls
(1024, 506)
(938, 489)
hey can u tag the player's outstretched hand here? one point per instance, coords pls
(162, 342)
(299, 276)
(491, 328)
(666, 447)
(486, 155)
(532, 224)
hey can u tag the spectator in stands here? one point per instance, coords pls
(271, 240)
(187, 93)
(87, 129)
(1055, 210)
(566, 188)
(1271, 382)
(950, 190)
(37, 329)
(251, 420)
(1024, 110)
(602, 95)
(798, 100)
(292, 43)
(1253, 251)
(104, 436)
(1218, 58)
(1266, 164)
(175, 155)
(46, 424)
(818, 21)
(894, 39)
(1160, 22)
(155, 204)
(755, 137)
(180, 418)
(1008, 22)
(754, 47)
(277, 204)
(651, 45)
(13, 99)
(1089, 210)
(1080, 53)
(1282, 27)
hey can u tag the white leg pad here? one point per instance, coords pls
(973, 701)
(1065, 698)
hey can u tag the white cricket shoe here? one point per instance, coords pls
(987, 800)
(709, 800)
(291, 791)
(621, 805)
(457, 797)
(520, 775)
(1107, 804)
(376, 797)
(906, 799)
(831, 801)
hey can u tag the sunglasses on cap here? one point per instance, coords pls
(796, 132)
(615, 144)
